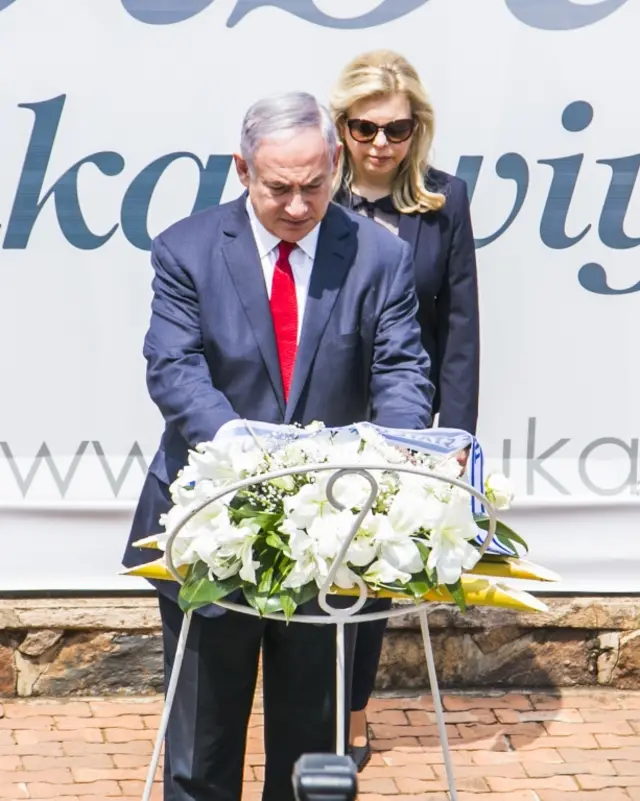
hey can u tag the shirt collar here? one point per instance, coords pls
(384, 204)
(266, 241)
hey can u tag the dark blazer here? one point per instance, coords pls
(211, 352)
(446, 281)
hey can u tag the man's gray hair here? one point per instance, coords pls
(281, 113)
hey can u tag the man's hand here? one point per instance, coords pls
(463, 457)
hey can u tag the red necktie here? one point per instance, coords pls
(284, 311)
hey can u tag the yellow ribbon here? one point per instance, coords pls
(477, 591)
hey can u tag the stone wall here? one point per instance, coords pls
(105, 646)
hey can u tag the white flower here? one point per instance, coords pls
(447, 468)
(451, 551)
(315, 550)
(351, 490)
(324, 534)
(303, 572)
(376, 446)
(403, 554)
(412, 510)
(343, 447)
(314, 426)
(249, 564)
(329, 533)
(225, 568)
(198, 525)
(304, 451)
(189, 486)
(381, 572)
(362, 550)
(225, 464)
(309, 504)
(245, 458)
(499, 490)
(285, 483)
(308, 565)
(396, 548)
(345, 578)
(228, 548)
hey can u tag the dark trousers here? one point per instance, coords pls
(366, 659)
(206, 737)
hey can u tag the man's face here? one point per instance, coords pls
(290, 182)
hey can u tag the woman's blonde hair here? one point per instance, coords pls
(376, 74)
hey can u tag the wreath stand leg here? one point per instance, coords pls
(340, 695)
(437, 703)
(168, 704)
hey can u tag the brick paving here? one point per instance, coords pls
(506, 747)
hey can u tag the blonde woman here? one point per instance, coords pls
(386, 124)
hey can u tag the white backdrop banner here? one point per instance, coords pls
(120, 116)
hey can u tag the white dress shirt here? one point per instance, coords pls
(301, 259)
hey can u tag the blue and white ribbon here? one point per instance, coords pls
(439, 442)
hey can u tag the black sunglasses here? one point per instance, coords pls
(395, 131)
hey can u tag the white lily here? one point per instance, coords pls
(307, 564)
(304, 571)
(451, 551)
(351, 490)
(225, 464)
(249, 564)
(224, 568)
(344, 578)
(412, 510)
(499, 490)
(190, 532)
(228, 549)
(395, 547)
(382, 572)
(309, 504)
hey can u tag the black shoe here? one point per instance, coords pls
(361, 755)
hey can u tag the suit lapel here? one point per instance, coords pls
(334, 254)
(243, 262)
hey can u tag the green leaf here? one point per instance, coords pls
(429, 574)
(288, 605)
(424, 549)
(199, 590)
(457, 593)
(261, 601)
(305, 594)
(494, 558)
(240, 513)
(418, 588)
(396, 587)
(291, 599)
(421, 583)
(280, 573)
(266, 580)
(504, 535)
(268, 521)
(507, 544)
(274, 540)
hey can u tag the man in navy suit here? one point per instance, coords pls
(281, 307)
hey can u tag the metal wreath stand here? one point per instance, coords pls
(336, 617)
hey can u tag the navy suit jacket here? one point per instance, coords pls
(211, 350)
(447, 286)
(443, 250)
